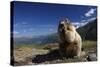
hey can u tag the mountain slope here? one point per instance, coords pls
(89, 31)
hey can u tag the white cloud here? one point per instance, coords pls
(82, 17)
(91, 19)
(90, 12)
(51, 29)
(15, 32)
(24, 23)
(24, 31)
(31, 29)
(76, 24)
(45, 25)
(79, 24)
(83, 22)
(16, 24)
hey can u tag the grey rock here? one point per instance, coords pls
(92, 57)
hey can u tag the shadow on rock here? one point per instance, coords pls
(52, 55)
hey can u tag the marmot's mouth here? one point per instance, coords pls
(61, 25)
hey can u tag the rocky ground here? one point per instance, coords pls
(34, 56)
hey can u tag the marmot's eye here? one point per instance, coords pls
(68, 28)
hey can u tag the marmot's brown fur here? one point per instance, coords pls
(70, 42)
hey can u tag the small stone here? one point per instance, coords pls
(92, 57)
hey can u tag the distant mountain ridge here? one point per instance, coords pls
(87, 32)
(51, 38)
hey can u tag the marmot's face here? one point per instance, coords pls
(65, 26)
(62, 27)
(66, 31)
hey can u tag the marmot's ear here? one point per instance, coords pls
(67, 20)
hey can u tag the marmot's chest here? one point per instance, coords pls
(68, 37)
(69, 48)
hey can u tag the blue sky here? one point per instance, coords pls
(35, 19)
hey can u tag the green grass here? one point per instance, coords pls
(89, 44)
(85, 44)
(28, 45)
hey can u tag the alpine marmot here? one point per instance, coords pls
(70, 42)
